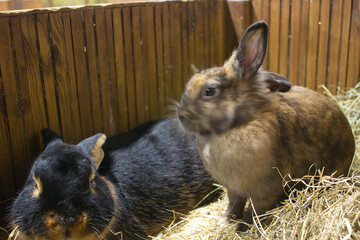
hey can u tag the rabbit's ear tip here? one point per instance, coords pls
(258, 24)
(49, 136)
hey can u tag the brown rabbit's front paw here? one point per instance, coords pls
(242, 227)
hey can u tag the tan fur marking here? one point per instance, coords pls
(97, 152)
(38, 189)
(91, 178)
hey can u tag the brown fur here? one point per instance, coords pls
(249, 132)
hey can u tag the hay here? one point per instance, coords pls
(328, 208)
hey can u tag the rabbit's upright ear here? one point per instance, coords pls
(49, 137)
(252, 49)
(92, 146)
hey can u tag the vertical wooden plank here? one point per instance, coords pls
(175, 43)
(266, 18)
(191, 37)
(206, 19)
(301, 68)
(241, 15)
(47, 67)
(274, 33)
(167, 55)
(184, 44)
(83, 89)
(230, 34)
(105, 70)
(160, 59)
(24, 87)
(294, 42)
(334, 45)
(213, 33)
(64, 95)
(284, 38)
(127, 26)
(28, 29)
(148, 28)
(144, 56)
(139, 81)
(112, 73)
(344, 44)
(221, 32)
(257, 8)
(90, 50)
(312, 47)
(354, 47)
(199, 36)
(323, 43)
(120, 70)
(7, 177)
(13, 105)
(72, 78)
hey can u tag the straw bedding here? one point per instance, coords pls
(328, 208)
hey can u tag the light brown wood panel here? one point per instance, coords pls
(302, 44)
(323, 44)
(354, 47)
(120, 70)
(160, 60)
(48, 73)
(82, 77)
(266, 17)
(184, 44)
(129, 66)
(191, 37)
(141, 103)
(206, 18)
(221, 33)
(6, 163)
(295, 41)
(73, 93)
(91, 54)
(24, 80)
(313, 43)
(344, 44)
(284, 38)
(176, 53)
(167, 56)
(334, 45)
(106, 68)
(274, 34)
(150, 60)
(199, 36)
(64, 95)
(18, 142)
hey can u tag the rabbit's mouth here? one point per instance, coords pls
(187, 121)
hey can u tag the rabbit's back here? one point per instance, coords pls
(161, 172)
(312, 129)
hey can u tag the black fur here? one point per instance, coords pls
(155, 169)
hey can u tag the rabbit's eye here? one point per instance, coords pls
(211, 92)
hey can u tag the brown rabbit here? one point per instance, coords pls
(249, 127)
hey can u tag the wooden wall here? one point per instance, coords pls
(313, 42)
(98, 69)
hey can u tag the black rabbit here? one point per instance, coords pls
(74, 192)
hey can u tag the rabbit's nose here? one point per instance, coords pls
(67, 220)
